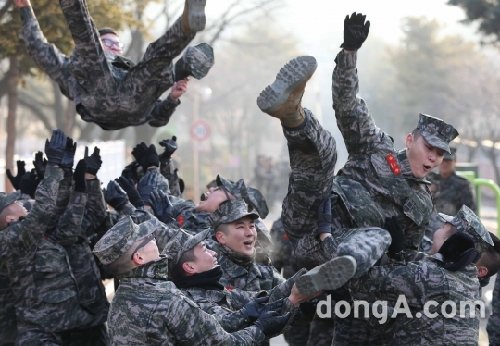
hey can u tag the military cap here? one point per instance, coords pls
(467, 221)
(230, 211)
(436, 132)
(452, 155)
(181, 243)
(9, 198)
(253, 197)
(121, 238)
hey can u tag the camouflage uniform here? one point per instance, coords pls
(419, 282)
(42, 281)
(147, 309)
(107, 90)
(493, 327)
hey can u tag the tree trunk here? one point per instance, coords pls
(12, 95)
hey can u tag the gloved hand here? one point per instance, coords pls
(355, 31)
(39, 163)
(92, 162)
(130, 172)
(29, 182)
(325, 216)
(170, 146)
(54, 148)
(115, 196)
(271, 323)
(458, 252)
(398, 237)
(132, 193)
(69, 154)
(159, 201)
(146, 156)
(79, 176)
(253, 309)
(21, 171)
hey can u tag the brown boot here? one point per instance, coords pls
(193, 17)
(282, 98)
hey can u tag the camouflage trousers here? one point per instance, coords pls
(116, 97)
(33, 335)
(493, 327)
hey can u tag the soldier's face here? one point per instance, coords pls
(240, 236)
(111, 44)
(440, 235)
(205, 259)
(447, 168)
(211, 199)
(422, 156)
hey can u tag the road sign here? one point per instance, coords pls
(200, 130)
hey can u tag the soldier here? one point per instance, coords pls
(447, 276)
(147, 309)
(49, 308)
(107, 88)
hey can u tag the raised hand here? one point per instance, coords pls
(21, 171)
(355, 31)
(94, 161)
(55, 147)
(39, 163)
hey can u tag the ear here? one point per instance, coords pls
(482, 271)
(220, 237)
(137, 259)
(10, 218)
(408, 140)
(188, 268)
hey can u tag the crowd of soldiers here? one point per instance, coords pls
(211, 272)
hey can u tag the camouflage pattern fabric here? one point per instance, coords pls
(449, 194)
(493, 326)
(247, 277)
(8, 324)
(149, 310)
(320, 331)
(38, 268)
(169, 170)
(100, 86)
(419, 282)
(436, 132)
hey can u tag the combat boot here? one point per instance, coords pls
(282, 98)
(196, 61)
(328, 276)
(193, 17)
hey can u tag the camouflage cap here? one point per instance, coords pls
(436, 132)
(230, 211)
(120, 239)
(467, 221)
(181, 243)
(253, 197)
(9, 198)
(452, 155)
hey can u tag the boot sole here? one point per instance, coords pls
(328, 276)
(197, 19)
(200, 59)
(295, 72)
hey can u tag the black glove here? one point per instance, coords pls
(54, 149)
(130, 172)
(69, 154)
(132, 193)
(92, 162)
(159, 201)
(458, 252)
(115, 196)
(355, 31)
(271, 323)
(146, 156)
(79, 176)
(39, 163)
(253, 309)
(170, 146)
(325, 216)
(21, 171)
(29, 183)
(397, 235)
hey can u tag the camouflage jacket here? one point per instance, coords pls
(367, 189)
(8, 324)
(251, 277)
(147, 309)
(58, 67)
(421, 282)
(449, 194)
(37, 265)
